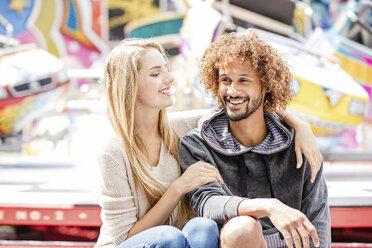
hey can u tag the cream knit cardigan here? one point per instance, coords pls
(120, 198)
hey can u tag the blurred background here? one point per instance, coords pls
(53, 111)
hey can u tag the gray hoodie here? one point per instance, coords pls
(267, 170)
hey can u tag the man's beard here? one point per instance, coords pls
(256, 104)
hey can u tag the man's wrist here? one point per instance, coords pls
(258, 207)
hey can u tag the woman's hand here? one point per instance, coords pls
(196, 175)
(305, 143)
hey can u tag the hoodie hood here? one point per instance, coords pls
(214, 129)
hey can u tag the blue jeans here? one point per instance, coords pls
(198, 232)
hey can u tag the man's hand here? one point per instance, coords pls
(292, 224)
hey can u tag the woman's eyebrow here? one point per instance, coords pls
(155, 67)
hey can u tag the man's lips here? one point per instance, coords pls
(236, 102)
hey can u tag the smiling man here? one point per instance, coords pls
(264, 201)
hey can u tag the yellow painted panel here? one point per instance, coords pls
(44, 23)
(356, 69)
(312, 104)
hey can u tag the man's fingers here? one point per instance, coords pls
(287, 238)
(312, 231)
(299, 159)
(304, 237)
(296, 238)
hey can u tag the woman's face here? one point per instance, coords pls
(154, 89)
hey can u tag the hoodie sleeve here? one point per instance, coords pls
(213, 200)
(315, 205)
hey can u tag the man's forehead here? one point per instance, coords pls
(235, 64)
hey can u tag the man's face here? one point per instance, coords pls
(239, 89)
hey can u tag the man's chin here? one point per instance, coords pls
(236, 115)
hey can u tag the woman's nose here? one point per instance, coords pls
(170, 78)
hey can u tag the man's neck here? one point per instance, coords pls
(250, 131)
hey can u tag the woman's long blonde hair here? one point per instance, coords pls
(121, 85)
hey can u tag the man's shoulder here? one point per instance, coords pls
(185, 121)
(193, 134)
(280, 124)
(276, 118)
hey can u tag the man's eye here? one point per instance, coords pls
(224, 79)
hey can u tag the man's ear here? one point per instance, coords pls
(267, 95)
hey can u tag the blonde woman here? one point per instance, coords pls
(142, 192)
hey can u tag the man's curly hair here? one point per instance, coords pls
(272, 70)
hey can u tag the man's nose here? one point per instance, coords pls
(233, 89)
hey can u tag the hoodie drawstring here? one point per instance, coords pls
(243, 172)
(268, 174)
(243, 179)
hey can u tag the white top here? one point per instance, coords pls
(120, 198)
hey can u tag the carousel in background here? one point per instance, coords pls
(52, 108)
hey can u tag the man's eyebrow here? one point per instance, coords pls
(242, 75)
(246, 75)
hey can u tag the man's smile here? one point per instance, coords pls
(235, 102)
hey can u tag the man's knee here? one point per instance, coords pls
(241, 230)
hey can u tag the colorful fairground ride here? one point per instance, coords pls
(31, 83)
(347, 44)
(325, 94)
(351, 38)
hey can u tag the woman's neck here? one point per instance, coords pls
(146, 124)
(147, 130)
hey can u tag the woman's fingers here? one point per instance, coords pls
(215, 174)
(214, 171)
(209, 166)
(298, 158)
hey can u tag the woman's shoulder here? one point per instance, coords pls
(113, 147)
